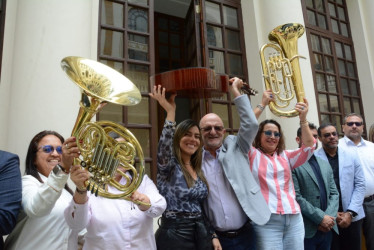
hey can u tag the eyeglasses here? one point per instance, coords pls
(327, 135)
(49, 149)
(209, 128)
(268, 133)
(350, 124)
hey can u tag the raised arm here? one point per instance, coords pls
(267, 97)
(306, 134)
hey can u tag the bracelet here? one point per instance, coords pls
(260, 107)
(169, 123)
(80, 191)
(214, 236)
(303, 122)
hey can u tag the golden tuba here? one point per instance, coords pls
(281, 71)
(101, 155)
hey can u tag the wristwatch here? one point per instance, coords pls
(352, 215)
(58, 169)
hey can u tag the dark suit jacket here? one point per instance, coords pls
(308, 193)
(10, 192)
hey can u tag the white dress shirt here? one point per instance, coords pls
(117, 223)
(222, 206)
(365, 151)
(41, 223)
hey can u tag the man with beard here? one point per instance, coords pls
(318, 198)
(350, 182)
(353, 128)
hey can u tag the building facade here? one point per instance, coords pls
(141, 38)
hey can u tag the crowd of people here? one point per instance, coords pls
(242, 191)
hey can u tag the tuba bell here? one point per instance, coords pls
(281, 70)
(101, 155)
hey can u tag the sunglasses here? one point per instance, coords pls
(327, 135)
(350, 124)
(49, 149)
(209, 128)
(269, 133)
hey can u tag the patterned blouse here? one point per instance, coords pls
(273, 174)
(171, 182)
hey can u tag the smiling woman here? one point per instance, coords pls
(181, 181)
(41, 223)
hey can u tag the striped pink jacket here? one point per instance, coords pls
(273, 174)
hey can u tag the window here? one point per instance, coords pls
(142, 37)
(332, 55)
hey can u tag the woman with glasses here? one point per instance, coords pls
(271, 166)
(181, 181)
(45, 195)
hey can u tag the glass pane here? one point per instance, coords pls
(331, 83)
(319, 5)
(235, 119)
(353, 87)
(235, 65)
(214, 36)
(213, 13)
(322, 21)
(342, 70)
(114, 65)
(233, 40)
(339, 1)
(111, 112)
(329, 64)
(332, 10)
(142, 135)
(334, 104)
(311, 17)
(222, 111)
(138, 47)
(344, 29)
(348, 53)
(174, 26)
(318, 63)
(325, 119)
(139, 75)
(334, 25)
(326, 48)
(315, 43)
(163, 51)
(309, 3)
(216, 61)
(162, 23)
(175, 39)
(112, 13)
(344, 86)
(230, 16)
(347, 105)
(356, 106)
(336, 120)
(323, 106)
(175, 53)
(321, 84)
(139, 114)
(163, 37)
(351, 69)
(139, 2)
(138, 19)
(341, 13)
(111, 43)
(339, 49)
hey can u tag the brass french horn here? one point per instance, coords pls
(102, 155)
(281, 70)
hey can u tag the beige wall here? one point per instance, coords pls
(260, 17)
(35, 93)
(362, 19)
